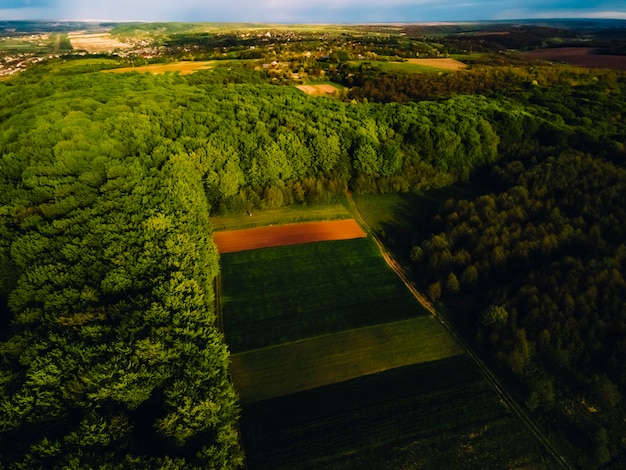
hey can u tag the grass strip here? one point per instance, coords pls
(283, 215)
(315, 362)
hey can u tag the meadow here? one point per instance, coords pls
(400, 218)
(323, 360)
(416, 65)
(283, 294)
(283, 215)
(183, 68)
(315, 426)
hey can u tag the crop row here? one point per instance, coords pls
(323, 360)
(284, 294)
(314, 426)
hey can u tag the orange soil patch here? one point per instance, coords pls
(317, 89)
(581, 57)
(232, 241)
(446, 64)
(184, 68)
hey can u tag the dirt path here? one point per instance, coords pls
(510, 401)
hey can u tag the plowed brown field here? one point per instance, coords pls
(290, 234)
(581, 57)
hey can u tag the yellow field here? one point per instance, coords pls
(446, 64)
(315, 362)
(102, 42)
(318, 89)
(184, 68)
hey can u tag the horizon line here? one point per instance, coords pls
(365, 23)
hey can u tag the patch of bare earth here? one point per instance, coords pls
(291, 234)
(581, 57)
(446, 63)
(317, 89)
(102, 42)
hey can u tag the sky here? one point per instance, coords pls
(309, 11)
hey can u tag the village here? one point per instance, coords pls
(18, 52)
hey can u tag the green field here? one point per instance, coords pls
(89, 64)
(284, 294)
(307, 428)
(283, 215)
(392, 66)
(338, 366)
(400, 217)
(502, 442)
(21, 45)
(311, 363)
(412, 66)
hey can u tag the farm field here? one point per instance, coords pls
(283, 294)
(417, 65)
(283, 215)
(95, 63)
(184, 68)
(580, 57)
(314, 362)
(324, 89)
(101, 42)
(502, 442)
(445, 63)
(335, 361)
(323, 424)
(289, 234)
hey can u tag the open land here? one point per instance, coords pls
(284, 294)
(315, 362)
(416, 65)
(280, 216)
(102, 42)
(496, 443)
(290, 234)
(322, 424)
(580, 57)
(445, 63)
(184, 68)
(325, 89)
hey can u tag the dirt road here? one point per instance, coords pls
(510, 401)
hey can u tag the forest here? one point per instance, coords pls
(109, 352)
